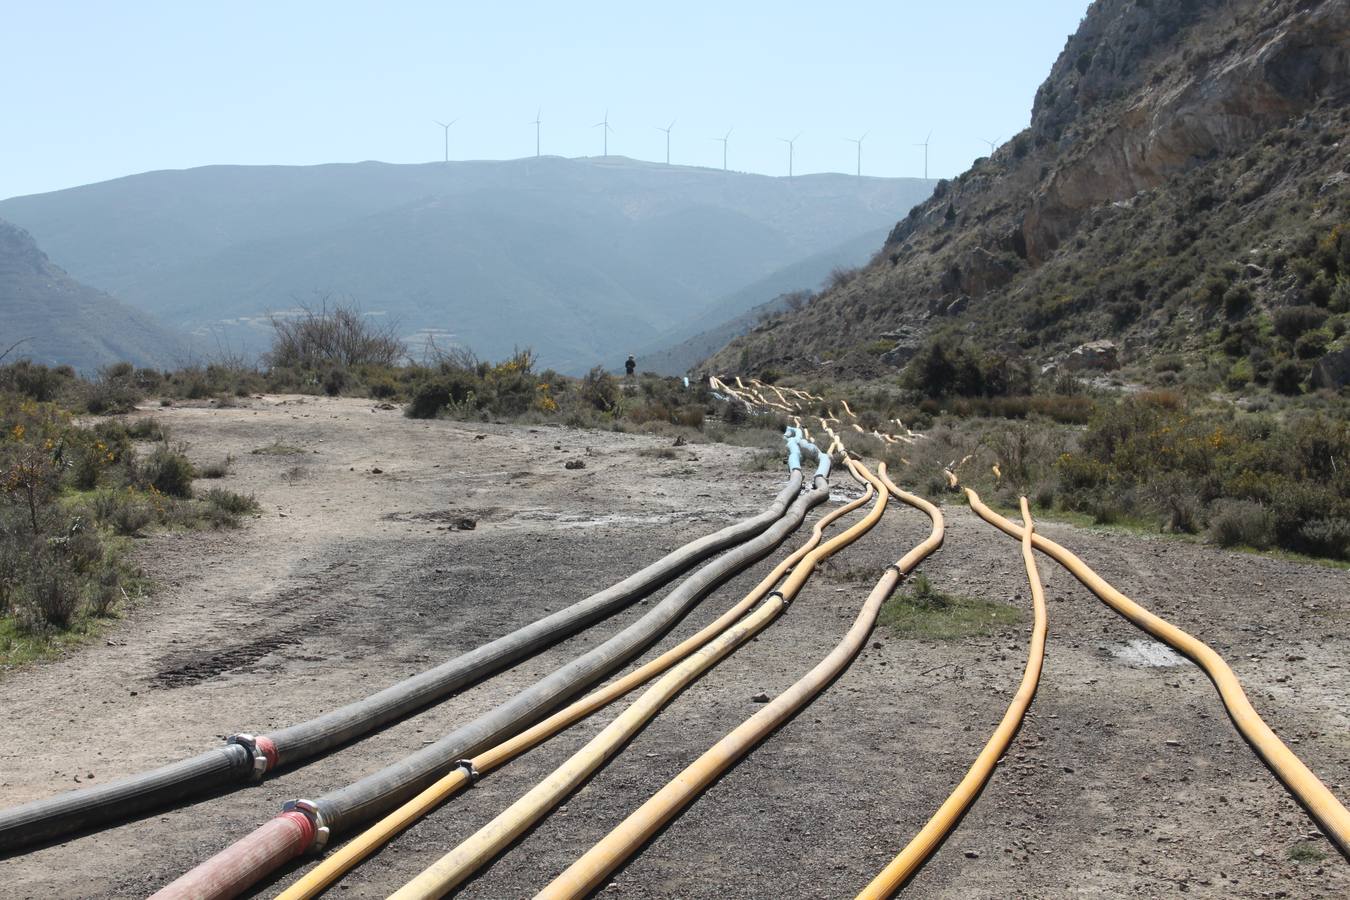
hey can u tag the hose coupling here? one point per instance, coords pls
(261, 751)
(310, 811)
(469, 769)
(899, 572)
(779, 594)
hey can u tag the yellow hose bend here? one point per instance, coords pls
(459, 864)
(336, 865)
(603, 858)
(1329, 812)
(922, 845)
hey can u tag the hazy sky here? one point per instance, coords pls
(96, 90)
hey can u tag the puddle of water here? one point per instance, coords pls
(1147, 653)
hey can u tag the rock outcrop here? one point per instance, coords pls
(1180, 155)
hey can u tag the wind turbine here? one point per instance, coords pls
(791, 144)
(535, 123)
(859, 142)
(992, 144)
(446, 126)
(605, 124)
(667, 131)
(924, 145)
(723, 139)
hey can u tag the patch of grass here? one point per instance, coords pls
(277, 448)
(764, 461)
(230, 502)
(922, 611)
(19, 645)
(836, 569)
(1306, 853)
(218, 469)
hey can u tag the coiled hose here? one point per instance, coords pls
(597, 863)
(476, 851)
(314, 882)
(246, 757)
(254, 856)
(922, 845)
(1306, 787)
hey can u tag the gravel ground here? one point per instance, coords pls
(1126, 779)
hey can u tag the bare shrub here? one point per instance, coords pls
(325, 337)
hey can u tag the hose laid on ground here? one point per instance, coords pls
(597, 863)
(480, 848)
(339, 863)
(252, 857)
(1329, 812)
(248, 758)
(922, 845)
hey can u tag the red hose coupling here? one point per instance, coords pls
(309, 811)
(261, 750)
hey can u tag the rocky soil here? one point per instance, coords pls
(1127, 778)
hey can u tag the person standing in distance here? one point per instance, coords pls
(630, 365)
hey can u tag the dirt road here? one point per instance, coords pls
(1127, 779)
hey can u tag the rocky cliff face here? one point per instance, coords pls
(1188, 123)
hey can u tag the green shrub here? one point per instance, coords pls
(1287, 378)
(114, 392)
(1293, 321)
(123, 511)
(230, 502)
(600, 390)
(168, 471)
(1243, 523)
(1312, 344)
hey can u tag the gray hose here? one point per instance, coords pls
(52, 817)
(376, 794)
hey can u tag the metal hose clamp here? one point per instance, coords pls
(311, 812)
(260, 760)
(469, 769)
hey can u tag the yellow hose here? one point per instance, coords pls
(922, 845)
(354, 851)
(597, 863)
(460, 863)
(1298, 778)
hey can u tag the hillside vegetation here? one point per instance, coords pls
(1137, 307)
(1183, 190)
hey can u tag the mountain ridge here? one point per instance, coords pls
(582, 259)
(50, 318)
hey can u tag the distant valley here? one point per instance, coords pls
(583, 260)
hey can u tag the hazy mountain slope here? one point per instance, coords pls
(1185, 181)
(582, 259)
(682, 348)
(63, 322)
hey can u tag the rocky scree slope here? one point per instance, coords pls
(1183, 189)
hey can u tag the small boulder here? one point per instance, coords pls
(761, 697)
(1101, 356)
(574, 464)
